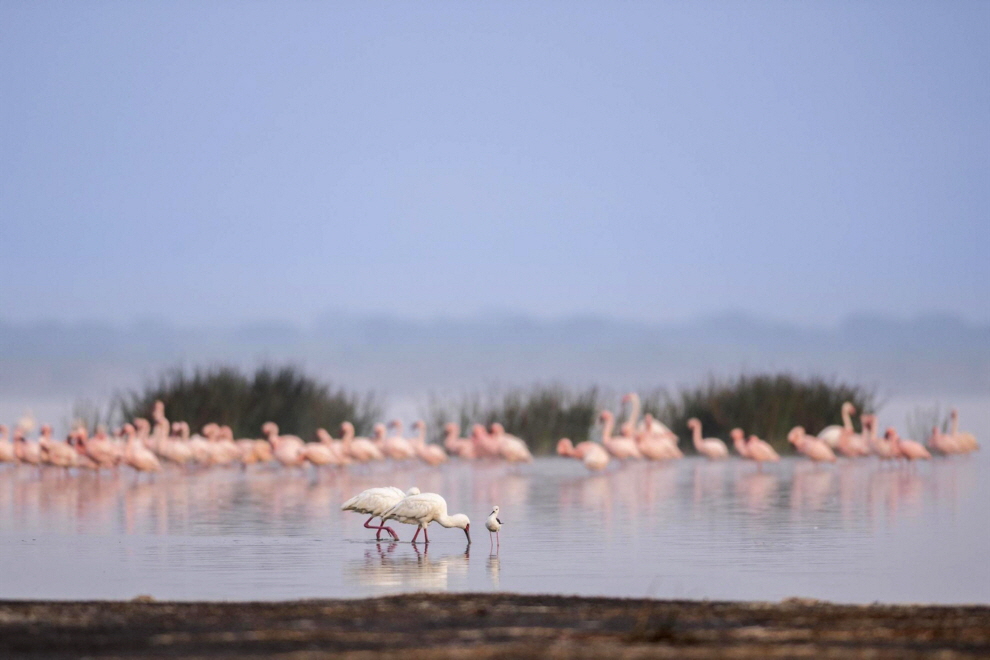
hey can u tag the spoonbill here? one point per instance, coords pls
(423, 509)
(375, 502)
(493, 524)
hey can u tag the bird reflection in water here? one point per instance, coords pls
(389, 570)
(493, 569)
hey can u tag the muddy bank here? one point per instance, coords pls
(492, 626)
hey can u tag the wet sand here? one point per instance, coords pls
(481, 626)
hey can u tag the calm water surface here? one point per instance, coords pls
(858, 531)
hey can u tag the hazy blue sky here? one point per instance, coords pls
(212, 162)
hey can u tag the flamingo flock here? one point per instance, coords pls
(146, 446)
(650, 439)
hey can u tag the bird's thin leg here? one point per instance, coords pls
(378, 534)
(490, 542)
(498, 540)
(426, 535)
(416, 535)
(390, 530)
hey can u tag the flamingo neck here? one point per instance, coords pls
(847, 422)
(634, 409)
(696, 435)
(954, 426)
(607, 429)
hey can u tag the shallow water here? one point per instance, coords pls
(858, 531)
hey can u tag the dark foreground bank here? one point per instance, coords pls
(488, 626)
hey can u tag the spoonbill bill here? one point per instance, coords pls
(423, 509)
(375, 502)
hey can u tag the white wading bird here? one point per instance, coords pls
(375, 502)
(423, 509)
(493, 524)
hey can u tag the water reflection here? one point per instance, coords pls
(727, 529)
(386, 569)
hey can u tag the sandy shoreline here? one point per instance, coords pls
(491, 625)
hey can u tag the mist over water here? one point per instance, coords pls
(857, 531)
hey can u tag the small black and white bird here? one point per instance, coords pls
(493, 524)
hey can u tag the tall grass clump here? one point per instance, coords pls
(285, 395)
(541, 415)
(768, 405)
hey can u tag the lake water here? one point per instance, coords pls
(858, 531)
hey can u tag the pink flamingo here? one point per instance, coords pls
(7, 453)
(27, 452)
(337, 446)
(59, 454)
(99, 448)
(663, 445)
(739, 442)
(713, 448)
(485, 445)
(396, 446)
(136, 454)
(592, 454)
(620, 447)
(289, 450)
(831, 434)
(453, 443)
(815, 449)
(909, 449)
(428, 453)
(320, 453)
(966, 441)
(943, 443)
(361, 450)
(510, 447)
(885, 448)
(649, 424)
(852, 444)
(761, 451)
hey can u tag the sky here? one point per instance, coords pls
(231, 162)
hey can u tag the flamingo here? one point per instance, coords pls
(713, 448)
(453, 443)
(654, 426)
(485, 445)
(7, 453)
(428, 453)
(99, 448)
(908, 449)
(289, 450)
(493, 524)
(59, 454)
(831, 434)
(621, 447)
(337, 446)
(198, 445)
(27, 452)
(375, 502)
(319, 453)
(136, 454)
(852, 444)
(966, 441)
(657, 446)
(739, 442)
(423, 509)
(761, 451)
(943, 443)
(396, 446)
(885, 448)
(815, 449)
(359, 449)
(592, 454)
(510, 447)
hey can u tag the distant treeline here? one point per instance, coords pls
(768, 405)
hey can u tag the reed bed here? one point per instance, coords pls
(298, 403)
(768, 405)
